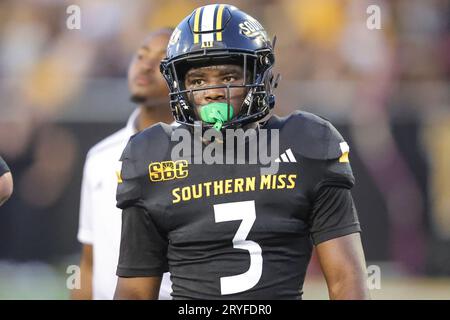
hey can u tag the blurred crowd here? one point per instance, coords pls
(330, 63)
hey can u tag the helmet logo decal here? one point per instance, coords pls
(208, 18)
(252, 29)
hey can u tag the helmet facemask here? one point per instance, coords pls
(257, 68)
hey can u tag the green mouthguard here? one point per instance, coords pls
(216, 113)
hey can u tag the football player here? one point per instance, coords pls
(6, 182)
(226, 231)
(99, 228)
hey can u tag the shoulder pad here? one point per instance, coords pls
(145, 147)
(313, 137)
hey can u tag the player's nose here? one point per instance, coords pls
(215, 94)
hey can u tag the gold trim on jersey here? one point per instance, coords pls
(119, 176)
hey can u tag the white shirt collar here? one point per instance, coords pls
(132, 122)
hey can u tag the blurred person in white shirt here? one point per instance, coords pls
(100, 221)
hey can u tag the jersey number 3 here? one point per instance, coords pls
(245, 211)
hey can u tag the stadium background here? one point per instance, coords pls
(387, 91)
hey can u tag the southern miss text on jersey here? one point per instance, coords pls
(226, 231)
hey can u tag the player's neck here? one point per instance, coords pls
(149, 115)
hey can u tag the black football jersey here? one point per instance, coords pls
(227, 231)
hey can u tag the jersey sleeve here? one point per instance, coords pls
(3, 167)
(143, 250)
(333, 214)
(85, 231)
(328, 176)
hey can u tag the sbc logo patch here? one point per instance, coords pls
(168, 170)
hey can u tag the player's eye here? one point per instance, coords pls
(229, 79)
(232, 77)
(197, 82)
